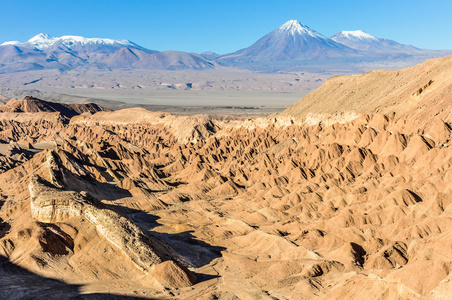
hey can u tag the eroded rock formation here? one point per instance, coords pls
(351, 204)
(53, 205)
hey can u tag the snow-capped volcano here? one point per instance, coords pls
(291, 41)
(364, 41)
(357, 39)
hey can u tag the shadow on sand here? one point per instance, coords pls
(195, 251)
(19, 283)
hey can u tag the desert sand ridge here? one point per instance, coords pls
(408, 91)
(347, 197)
(185, 129)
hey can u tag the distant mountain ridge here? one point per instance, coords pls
(43, 41)
(291, 47)
(68, 52)
(364, 41)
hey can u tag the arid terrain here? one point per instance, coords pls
(344, 195)
(222, 92)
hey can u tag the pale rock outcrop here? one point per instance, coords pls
(51, 205)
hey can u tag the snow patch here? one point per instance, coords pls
(357, 34)
(41, 41)
(10, 43)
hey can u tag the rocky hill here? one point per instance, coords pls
(30, 104)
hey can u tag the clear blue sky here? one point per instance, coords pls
(224, 26)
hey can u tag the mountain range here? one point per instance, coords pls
(69, 52)
(291, 41)
(295, 46)
(292, 45)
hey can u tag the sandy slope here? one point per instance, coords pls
(344, 195)
(381, 91)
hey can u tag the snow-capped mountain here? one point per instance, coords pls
(364, 41)
(43, 41)
(357, 39)
(291, 41)
(357, 35)
(68, 52)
